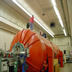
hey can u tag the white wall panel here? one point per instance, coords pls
(5, 37)
(63, 43)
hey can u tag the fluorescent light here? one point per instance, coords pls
(43, 27)
(31, 15)
(21, 7)
(58, 15)
(53, 2)
(64, 32)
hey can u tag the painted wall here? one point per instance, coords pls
(63, 43)
(5, 37)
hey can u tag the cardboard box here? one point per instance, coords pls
(55, 61)
(57, 68)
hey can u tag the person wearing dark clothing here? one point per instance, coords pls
(27, 25)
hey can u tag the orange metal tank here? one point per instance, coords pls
(56, 51)
(40, 49)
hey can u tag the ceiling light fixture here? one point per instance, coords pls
(15, 1)
(53, 2)
(59, 17)
(64, 32)
(58, 14)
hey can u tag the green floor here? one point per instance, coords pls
(67, 68)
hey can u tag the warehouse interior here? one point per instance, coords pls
(52, 17)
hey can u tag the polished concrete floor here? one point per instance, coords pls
(67, 68)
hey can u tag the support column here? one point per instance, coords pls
(50, 64)
(65, 57)
(61, 61)
(50, 53)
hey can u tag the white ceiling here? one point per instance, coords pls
(38, 7)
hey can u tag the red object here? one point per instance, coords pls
(40, 32)
(5, 56)
(8, 56)
(40, 49)
(31, 20)
(45, 65)
(19, 68)
(61, 59)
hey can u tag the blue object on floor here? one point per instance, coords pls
(23, 63)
